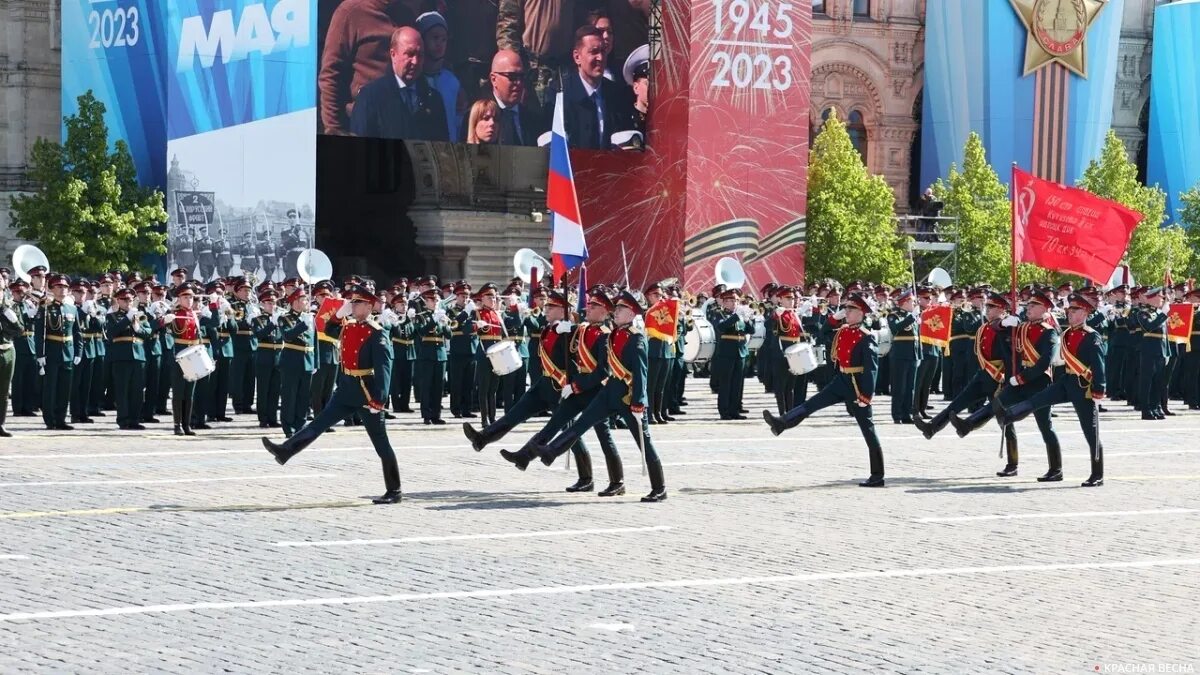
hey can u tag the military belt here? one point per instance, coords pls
(27, 333)
(739, 338)
(127, 338)
(433, 340)
(299, 348)
(186, 343)
(91, 335)
(788, 338)
(224, 335)
(906, 338)
(515, 339)
(325, 338)
(360, 372)
(400, 341)
(957, 337)
(456, 333)
(270, 345)
(1153, 335)
(59, 338)
(490, 338)
(535, 336)
(850, 370)
(245, 333)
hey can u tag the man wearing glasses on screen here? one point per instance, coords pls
(519, 124)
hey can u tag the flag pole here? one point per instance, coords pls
(1012, 290)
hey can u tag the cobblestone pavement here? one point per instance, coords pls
(145, 552)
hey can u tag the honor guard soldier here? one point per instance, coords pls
(12, 329)
(183, 325)
(784, 324)
(297, 361)
(404, 350)
(206, 257)
(129, 329)
(241, 371)
(362, 387)
(152, 352)
(623, 394)
(1153, 353)
(1083, 387)
(224, 254)
(931, 359)
(266, 358)
(856, 361)
(732, 327)
(586, 373)
(56, 332)
(904, 358)
(464, 344)
(660, 352)
(25, 373)
(489, 326)
(554, 355)
(964, 321)
(431, 326)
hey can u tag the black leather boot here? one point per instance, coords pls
(186, 419)
(786, 421)
(962, 427)
(929, 429)
(658, 488)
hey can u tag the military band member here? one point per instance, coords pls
(223, 353)
(517, 325)
(660, 353)
(1153, 353)
(931, 358)
(856, 360)
(785, 325)
(89, 360)
(733, 326)
(159, 294)
(12, 329)
(183, 325)
(297, 361)
(460, 358)
(623, 394)
(266, 359)
(102, 393)
(56, 332)
(327, 357)
(431, 326)
(151, 353)
(362, 387)
(489, 326)
(964, 321)
(1083, 387)
(129, 329)
(404, 350)
(536, 323)
(241, 368)
(904, 357)
(25, 372)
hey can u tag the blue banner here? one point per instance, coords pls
(1173, 144)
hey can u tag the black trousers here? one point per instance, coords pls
(183, 397)
(489, 390)
(1190, 374)
(656, 386)
(1166, 377)
(101, 380)
(962, 368)
(294, 390)
(56, 393)
(731, 375)
(790, 389)
(599, 410)
(1132, 379)
(1075, 391)
(220, 396)
(151, 379)
(401, 389)
(926, 374)
(241, 380)
(337, 411)
(461, 372)
(429, 380)
(129, 381)
(164, 381)
(24, 385)
(321, 386)
(840, 390)
(1151, 385)
(1114, 368)
(267, 383)
(512, 386)
(562, 417)
(1012, 395)
(903, 377)
(81, 387)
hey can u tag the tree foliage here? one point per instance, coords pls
(1153, 249)
(851, 228)
(90, 214)
(1190, 218)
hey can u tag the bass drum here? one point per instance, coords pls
(884, 337)
(760, 333)
(700, 342)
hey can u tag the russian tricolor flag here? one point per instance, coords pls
(567, 247)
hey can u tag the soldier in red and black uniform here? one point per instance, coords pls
(489, 326)
(1083, 386)
(362, 384)
(183, 325)
(784, 324)
(855, 361)
(623, 395)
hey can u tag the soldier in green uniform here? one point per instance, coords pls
(12, 328)
(25, 372)
(296, 361)
(56, 332)
(1191, 357)
(89, 362)
(152, 351)
(536, 324)
(964, 323)
(1118, 341)
(101, 397)
(223, 353)
(159, 296)
(404, 350)
(931, 358)
(1131, 374)
(241, 369)
(659, 351)
(904, 357)
(431, 330)
(266, 359)
(1153, 353)
(460, 357)
(128, 329)
(733, 322)
(516, 328)
(488, 324)
(327, 357)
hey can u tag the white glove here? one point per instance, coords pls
(1014, 381)
(253, 312)
(639, 324)
(42, 362)
(307, 318)
(840, 314)
(1010, 321)
(274, 319)
(10, 315)
(388, 318)
(131, 314)
(567, 391)
(30, 309)
(563, 327)
(411, 313)
(344, 310)
(440, 316)
(205, 313)
(168, 317)
(861, 404)
(69, 317)
(778, 311)
(78, 359)
(470, 306)
(69, 300)
(88, 306)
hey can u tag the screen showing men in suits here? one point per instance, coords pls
(485, 71)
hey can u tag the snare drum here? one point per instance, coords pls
(700, 342)
(884, 336)
(801, 359)
(504, 358)
(195, 363)
(760, 333)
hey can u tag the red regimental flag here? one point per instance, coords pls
(1179, 323)
(935, 325)
(329, 307)
(1067, 229)
(662, 320)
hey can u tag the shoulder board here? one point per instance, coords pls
(373, 323)
(1088, 329)
(863, 328)
(605, 329)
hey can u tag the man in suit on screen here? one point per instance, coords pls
(401, 104)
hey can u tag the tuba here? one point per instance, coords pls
(729, 273)
(27, 257)
(313, 266)
(524, 263)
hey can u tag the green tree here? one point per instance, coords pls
(851, 228)
(90, 214)
(1189, 216)
(1153, 248)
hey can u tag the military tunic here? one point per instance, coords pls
(56, 333)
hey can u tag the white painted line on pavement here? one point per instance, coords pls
(614, 627)
(166, 481)
(1069, 514)
(169, 453)
(735, 462)
(14, 557)
(472, 537)
(590, 588)
(1138, 453)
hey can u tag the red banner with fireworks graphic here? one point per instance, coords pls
(724, 172)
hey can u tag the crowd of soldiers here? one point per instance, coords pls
(257, 256)
(302, 358)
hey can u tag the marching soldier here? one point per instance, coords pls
(856, 361)
(224, 254)
(362, 386)
(206, 257)
(327, 357)
(404, 350)
(266, 359)
(25, 373)
(489, 326)
(241, 371)
(623, 394)
(1153, 353)
(56, 332)
(732, 328)
(297, 361)
(931, 360)
(431, 326)
(1083, 387)
(128, 329)
(464, 344)
(904, 357)
(660, 353)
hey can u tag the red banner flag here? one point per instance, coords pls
(1067, 229)
(1179, 323)
(662, 320)
(329, 307)
(935, 325)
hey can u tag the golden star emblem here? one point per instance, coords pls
(1057, 32)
